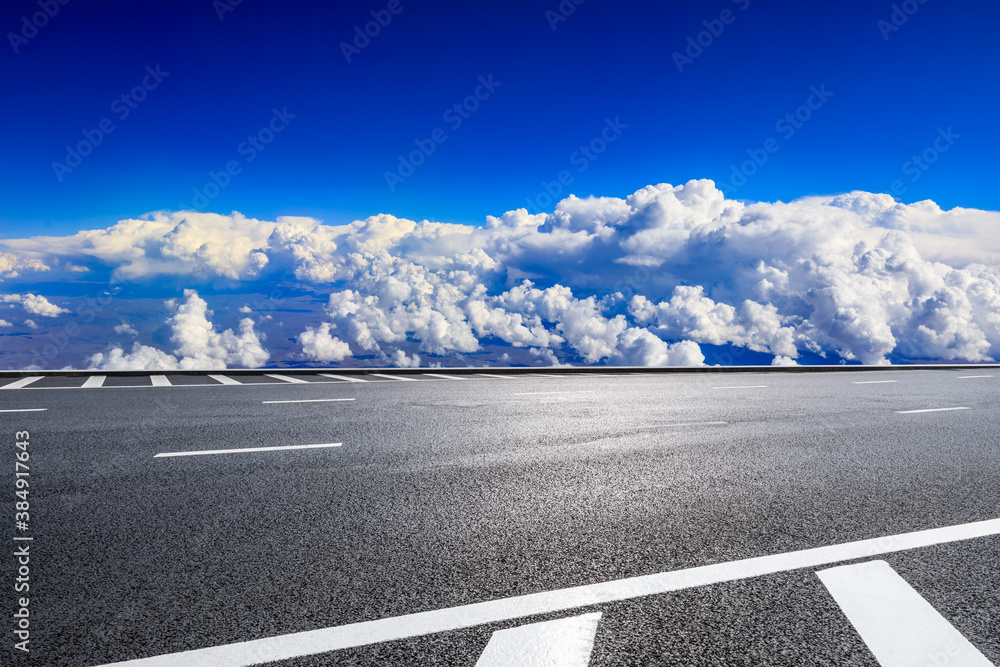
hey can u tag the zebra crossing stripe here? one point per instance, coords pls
(564, 642)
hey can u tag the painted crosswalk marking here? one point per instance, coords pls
(23, 382)
(565, 642)
(160, 381)
(286, 378)
(94, 381)
(223, 379)
(899, 626)
(345, 378)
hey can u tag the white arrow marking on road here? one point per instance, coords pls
(899, 626)
(342, 377)
(23, 382)
(94, 381)
(913, 412)
(160, 381)
(205, 452)
(222, 379)
(364, 633)
(285, 378)
(565, 642)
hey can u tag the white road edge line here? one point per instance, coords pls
(94, 381)
(536, 644)
(23, 382)
(913, 412)
(311, 642)
(877, 382)
(636, 428)
(745, 386)
(341, 377)
(394, 377)
(311, 400)
(205, 452)
(969, 377)
(224, 379)
(898, 625)
(286, 378)
(541, 393)
(27, 410)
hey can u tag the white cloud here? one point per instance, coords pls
(318, 345)
(5, 323)
(31, 324)
(400, 360)
(34, 304)
(126, 328)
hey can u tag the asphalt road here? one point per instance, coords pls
(449, 492)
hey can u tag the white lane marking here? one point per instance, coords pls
(27, 410)
(342, 377)
(94, 381)
(744, 386)
(969, 377)
(23, 382)
(502, 377)
(542, 393)
(223, 379)
(899, 626)
(564, 642)
(285, 378)
(444, 377)
(877, 382)
(311, 642)
(160, 381)
(913, 412)
(205, 452)
(393, 377)
(311, 400)
(681, 424)
(544, 375)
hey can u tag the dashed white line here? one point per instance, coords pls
(501, 377)
(564, 642)
(27, 410)
(311, 642)
(286, 378)
(969, 377)
(312, 400)
(205, 452)
(543, 393)
(393, 377)
(899, 626)
(913, 412)
(160, 381)
(681, 424)
(94, 381)
(744, 386)
(345, 378)
(23, 382)
(877, 382)
(223, 379)
(444, 377)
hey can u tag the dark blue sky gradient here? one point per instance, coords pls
(607, 59)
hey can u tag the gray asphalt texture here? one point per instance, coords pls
(452, 492)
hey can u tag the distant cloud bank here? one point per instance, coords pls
(646, 280)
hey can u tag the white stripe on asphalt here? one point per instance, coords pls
(744, 386)
(564, 642)
(23, 382)
(311, 400)
(913, 412)
(877, 382)
(285, 378)
(502, 377)
(969, 377)
(311, 642)
(393, 377)
(899, 626)
(681, 424)
(160, 381)
(342, 377)
(542, 393)
(222, 379)
(94, 381)
(443, 377)
(27, 410)
(205, 452)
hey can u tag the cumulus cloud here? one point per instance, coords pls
(126, 328)
(5, 323)
(647, 279)
(34, 304)
(31, 324)
(12, 265)
(197, 344)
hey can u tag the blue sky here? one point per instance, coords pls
(557, 87)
